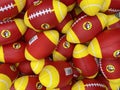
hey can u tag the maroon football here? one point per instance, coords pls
(41, 45)
(63, 50)
(110, 68)
(33, 67)
(11, 30)
(86, 27)
(56, 75)
(106, 44)
(28, 82)
(84, 62)
(45, 14)
(12, 53)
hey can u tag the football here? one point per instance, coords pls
(63, 50)
(56, 75)
(12, 53)
(32, 67)
(84, 62)
(41, 45)
(100, 46)
(40, 15)
(86, 27)
(28, 82)
(11, 30)
(11, 8)
(110, 68)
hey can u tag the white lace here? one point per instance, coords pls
(6, 7)
(40, 13)
(100, 63)
(78, 20)
(95, 85)
(113, 10)
(6, 21)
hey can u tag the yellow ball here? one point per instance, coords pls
(91, 7)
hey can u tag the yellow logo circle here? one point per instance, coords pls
(66, 44)
(5, 33)
(87, 25)
(16, 45)
(110, 68)
(45, 26)
(116, 53)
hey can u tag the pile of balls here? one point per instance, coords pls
(59, 45)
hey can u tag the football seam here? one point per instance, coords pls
(100, 64)
(6, 7)
(61, 38)
(79, 19)
(95, 85)
(40, 13)
(113, 10)
(6, 21)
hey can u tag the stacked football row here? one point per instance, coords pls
(60, 45)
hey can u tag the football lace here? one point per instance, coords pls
(113, 10)
(100, 63)
(95, 85)
(40, 13)
(6, 21)
(7, 7)
(78, 20)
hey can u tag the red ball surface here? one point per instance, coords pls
(110, 68)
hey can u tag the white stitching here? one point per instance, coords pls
(113, 10)
(6, 21)
(100, 64)
(7, 7)
(95, 85)
(40, 13)
(78, 20)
